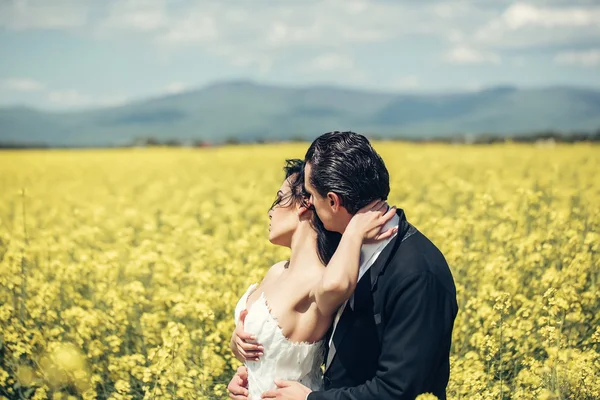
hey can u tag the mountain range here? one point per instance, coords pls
(248, 111)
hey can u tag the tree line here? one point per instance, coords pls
(546, 137)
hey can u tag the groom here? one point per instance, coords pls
(391, 340)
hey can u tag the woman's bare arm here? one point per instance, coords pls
(341, 275)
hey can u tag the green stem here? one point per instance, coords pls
(23, 262)
(501, 381)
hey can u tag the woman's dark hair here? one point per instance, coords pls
(345, 163)
(327, 241)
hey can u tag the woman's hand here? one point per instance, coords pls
(369, 221)
(340, 277)
(238, 386)
(243, 344)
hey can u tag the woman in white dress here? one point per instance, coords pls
(280, 323)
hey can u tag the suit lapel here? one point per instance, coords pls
(340, 331)
(361, 294)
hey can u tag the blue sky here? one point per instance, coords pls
(72, 54)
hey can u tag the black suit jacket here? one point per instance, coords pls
(395, 343)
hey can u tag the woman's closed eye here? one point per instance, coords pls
(280, 198)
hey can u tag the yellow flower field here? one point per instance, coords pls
(120, 269)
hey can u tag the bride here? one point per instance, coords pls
(281, 322)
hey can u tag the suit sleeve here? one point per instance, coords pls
(420, 316)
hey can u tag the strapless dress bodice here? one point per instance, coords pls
(282, 358)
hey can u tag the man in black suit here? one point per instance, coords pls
(392, 339)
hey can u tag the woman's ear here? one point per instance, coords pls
(302, 210)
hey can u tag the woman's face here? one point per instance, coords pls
(284, 217)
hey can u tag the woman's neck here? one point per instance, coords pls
(304, 247)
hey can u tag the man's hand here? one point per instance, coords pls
(287, 390)
(238, 385)
(242, 343)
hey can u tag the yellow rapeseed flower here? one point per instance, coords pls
(120, 269)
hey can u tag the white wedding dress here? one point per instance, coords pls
(282, 358)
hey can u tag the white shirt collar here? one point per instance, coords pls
(369, 252)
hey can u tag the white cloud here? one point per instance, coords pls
(69, 98)
(43, 14)
(521, 15)
(111, 101)
(72, 99)
(163, 22)
(136, 15)
(242, 58)
(175, 87)
(588, 58)
(330, 62)
(405, 82)
(23, 85)
(336, 67)
(467, 55)
(526, 25)
(261, 34)
(61, 98)
(277, 25)
(474, 86)
(258, 34)
(193, 29)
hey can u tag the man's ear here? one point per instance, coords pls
(334, 201)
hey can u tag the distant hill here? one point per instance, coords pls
(247, 111)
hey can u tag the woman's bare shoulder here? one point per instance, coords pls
(276, 270)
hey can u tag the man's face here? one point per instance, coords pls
(323, 205)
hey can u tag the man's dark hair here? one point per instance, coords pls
(345, 163)
(327, 241)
